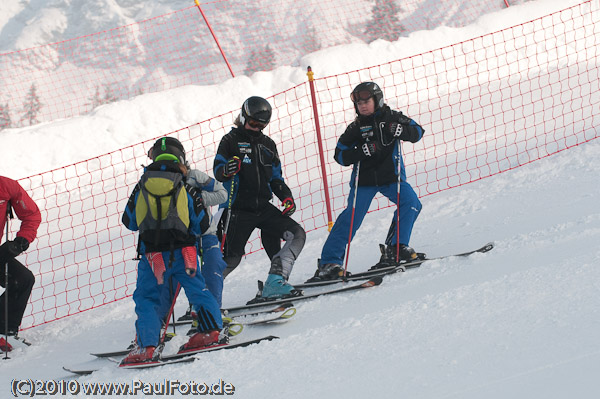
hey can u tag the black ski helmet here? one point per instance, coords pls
(366, 90)
(167, 149)
(257, 109)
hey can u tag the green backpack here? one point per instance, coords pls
(162, 210)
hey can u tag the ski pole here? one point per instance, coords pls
(164, 333)
(352, 217)
(8, 216)
(398, 202)
(228, 213)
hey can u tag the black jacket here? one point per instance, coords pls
(260, 174)
(381, 167)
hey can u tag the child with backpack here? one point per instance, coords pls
(169, 215)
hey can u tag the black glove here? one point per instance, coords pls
(196, 194)
(369, 148)
(12, 249)
(395, 129)
(289, 207)
(232, 167)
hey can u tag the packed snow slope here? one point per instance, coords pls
(521, 321)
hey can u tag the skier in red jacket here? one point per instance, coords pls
(20, 279)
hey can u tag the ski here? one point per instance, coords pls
(376, 280)
(390, 270)
(177, 357)
(284, 316)
(79, 371)
(217, 347)
(254, 312)
(185, 321)
(288, 313)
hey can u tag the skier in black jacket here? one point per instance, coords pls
(248, 160)
(371, 144)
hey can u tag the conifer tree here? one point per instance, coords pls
(261, 60)
(5, 121)
(109, 94)
(31, 106)
(96, 99)
(310, 40)
(384, 23)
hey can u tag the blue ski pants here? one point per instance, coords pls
(149, 306)
(213, 266)
(410, 207)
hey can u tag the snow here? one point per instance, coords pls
(521, 321)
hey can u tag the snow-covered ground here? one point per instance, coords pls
(521, 321)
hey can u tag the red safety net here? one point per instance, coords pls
(489, 104)
(72, 77)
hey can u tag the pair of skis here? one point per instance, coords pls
(174, 358)
(403, 266)
(374, 277)
(286, 314)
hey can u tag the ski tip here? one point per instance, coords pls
(78, 372)
(373, 281)
(487, 247)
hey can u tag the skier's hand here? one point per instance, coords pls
(232, 166)
(399, 129)
(289, 207)
(196, 194)
(12, 249)
(369, 148)
(395, 129)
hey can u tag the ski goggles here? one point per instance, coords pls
(362, 95)
(256, 124)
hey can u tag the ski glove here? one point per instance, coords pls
(12, 249)
(395, 129)
(232, 166)
(289, 207)
(369, 148)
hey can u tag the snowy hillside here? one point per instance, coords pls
(521, 321)
(26, 24)
(132, 121)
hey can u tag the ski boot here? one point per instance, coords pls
(274, 288)
(328, 271)
(202, 340)
(139, 355)
(13, 341)
(388, 256)
(5, 346)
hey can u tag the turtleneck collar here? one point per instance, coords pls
(253, 134)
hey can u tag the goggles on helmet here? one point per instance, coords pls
(362, 95)
(256, 124)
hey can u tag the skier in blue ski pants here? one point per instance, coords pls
(371, 144)
(410, 207)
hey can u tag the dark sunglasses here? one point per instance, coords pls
(256, 124)
(362, 95)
